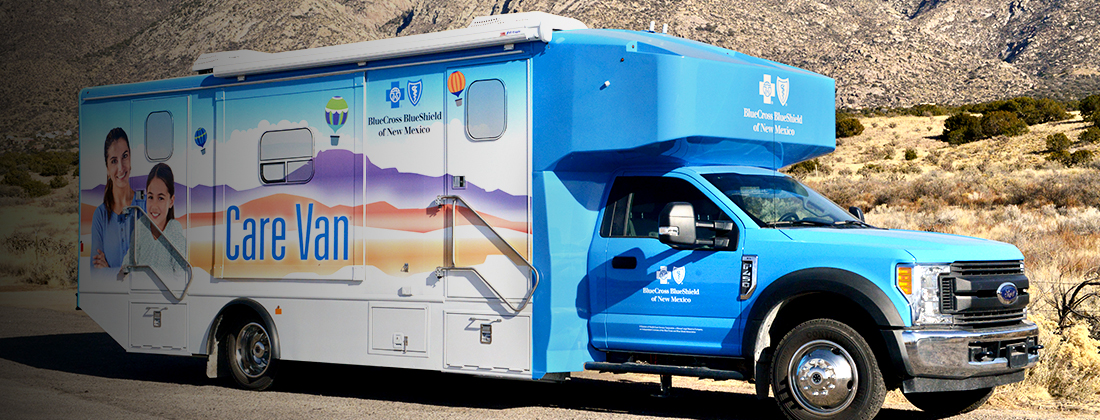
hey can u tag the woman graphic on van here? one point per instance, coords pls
(111, 223)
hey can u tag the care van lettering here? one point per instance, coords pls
(258, 239)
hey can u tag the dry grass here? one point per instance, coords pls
(1003, 189)
(38, 238)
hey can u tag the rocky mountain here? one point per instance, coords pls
(881, 52)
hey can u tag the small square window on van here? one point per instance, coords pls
(286, 156)
(158, 136)
(485, 110)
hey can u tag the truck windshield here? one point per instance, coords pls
(779, 201)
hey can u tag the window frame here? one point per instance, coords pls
(286, 161)
(171, 136)
(613, 219)
(503, 109)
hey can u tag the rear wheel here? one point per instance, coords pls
(949, 403)
(824, 369)
(249, 353)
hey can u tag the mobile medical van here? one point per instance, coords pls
(524, 198)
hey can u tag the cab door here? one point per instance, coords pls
(650, 297)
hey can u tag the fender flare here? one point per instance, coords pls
(853, 286)
(255, 307)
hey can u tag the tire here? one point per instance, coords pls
(949, 403)
(834, 373)
(248, 352)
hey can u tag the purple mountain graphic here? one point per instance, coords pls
(335, 173)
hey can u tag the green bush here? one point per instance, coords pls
(58, 181)
(910, 154)
(1057, 142)
(1090, 105)
(1042, 110)
(848, 127)
(16, 177)
(808, 167)
(962, 128)
(1090, 135)
(1005, 123)
(1080, 158)
(22, 178)
(36, 188)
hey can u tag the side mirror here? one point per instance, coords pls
(677, 225)
(857, 212)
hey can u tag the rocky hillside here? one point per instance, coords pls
(881, 52)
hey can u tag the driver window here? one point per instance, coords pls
(635, 204)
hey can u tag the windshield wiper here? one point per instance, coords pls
(798, 223)
(851, 223)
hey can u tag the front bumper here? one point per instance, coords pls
(952, 360)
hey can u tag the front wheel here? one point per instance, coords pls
(249, 354)
(949, 403)
(824, 369)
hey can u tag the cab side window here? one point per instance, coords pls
(636, 202)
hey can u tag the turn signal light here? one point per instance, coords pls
(905, 279)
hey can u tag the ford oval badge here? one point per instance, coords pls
(1007, 293)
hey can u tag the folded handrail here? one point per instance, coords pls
(449, 263)
(132, 263)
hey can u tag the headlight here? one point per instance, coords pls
(921, 286)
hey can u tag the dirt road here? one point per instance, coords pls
(56, 363)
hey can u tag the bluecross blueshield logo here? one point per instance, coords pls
(395, 95)
(414, 89)
(1007, 293)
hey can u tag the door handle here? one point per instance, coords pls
(626, 263)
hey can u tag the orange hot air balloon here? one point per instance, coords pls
(456, 83)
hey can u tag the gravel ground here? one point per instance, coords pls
(57, 363)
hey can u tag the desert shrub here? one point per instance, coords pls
(1079, 158)
(1069, 367)
(848, 127)
(1057, 142)
(910, 154)
(870, 168)
(1090, 105)
(1005, 123)
(1029, 110)
(31, 187)
(1090, 135)
(1042, 110)
(58, 181)
(962, 128)
(809, 167)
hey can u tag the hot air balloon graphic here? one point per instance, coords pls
(456, 83)
(200, 139)
(336, 113)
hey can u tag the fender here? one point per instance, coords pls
(842, 282)
(259, 309)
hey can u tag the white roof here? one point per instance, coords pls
(484, 31)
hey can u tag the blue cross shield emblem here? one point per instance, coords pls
(414, 91)
(395, 95)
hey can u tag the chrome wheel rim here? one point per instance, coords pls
(253, 350)
(823, 377)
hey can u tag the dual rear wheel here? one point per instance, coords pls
(248, 354)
